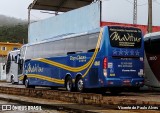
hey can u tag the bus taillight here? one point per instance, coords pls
(105, 63)
(105, 66)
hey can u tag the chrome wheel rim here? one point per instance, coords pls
(69, 85)
(26, 82)
(80, 85)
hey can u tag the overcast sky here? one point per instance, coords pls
(122, 11)
(116, 10)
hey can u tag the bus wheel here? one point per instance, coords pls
(26, 83)
(79, 84)
(68, 84)
(12, 79)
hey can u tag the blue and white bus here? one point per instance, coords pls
(111, 57)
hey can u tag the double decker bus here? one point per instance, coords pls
(110, 57)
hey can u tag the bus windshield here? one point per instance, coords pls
(125, 37)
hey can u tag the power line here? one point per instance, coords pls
(35, 16)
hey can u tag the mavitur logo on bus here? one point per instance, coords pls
(125, 38)
(120, 37)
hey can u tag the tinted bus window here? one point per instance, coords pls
(81, 43)
(93, 38)
(22, 51)
(29, 54)
(70, 45)
(125, 37)
(8, 66)
(58, 47)
(153, 45)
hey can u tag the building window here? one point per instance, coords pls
(3, 48)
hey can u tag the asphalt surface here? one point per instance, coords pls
(53, 106)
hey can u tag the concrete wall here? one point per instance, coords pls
(75, 21)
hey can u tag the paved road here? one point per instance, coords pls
(136, 97)
(142, 95)
(21, 106)
(14, 99)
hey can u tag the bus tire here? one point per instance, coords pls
(26, 83)
(12, 79)
(68, 83)
(79, 84)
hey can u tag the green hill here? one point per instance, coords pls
(15, 34)
(13, 30)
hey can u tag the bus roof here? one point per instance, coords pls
(152, 35)
(64, 36)
(15, 50)
(69, 35)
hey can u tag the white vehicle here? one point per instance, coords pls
(152, 59)
(12, 67)
(2, 71)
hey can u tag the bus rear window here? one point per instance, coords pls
(125, 37)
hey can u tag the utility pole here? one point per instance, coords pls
(135, 12)
(149, 16)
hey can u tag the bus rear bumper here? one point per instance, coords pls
(119, 82)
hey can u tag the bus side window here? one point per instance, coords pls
(93, 39)
(81, 44)
(21, 64)
(70, 45)
(154, 46)
(148, 45)
(59, 47)
(8, 64)
(29, 52)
